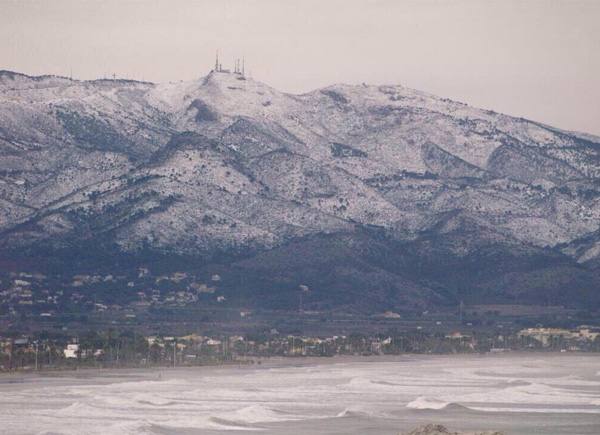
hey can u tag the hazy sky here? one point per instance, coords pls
(537, 59)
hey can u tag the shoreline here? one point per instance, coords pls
(267, 363)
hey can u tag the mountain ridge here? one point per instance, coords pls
(228, 164)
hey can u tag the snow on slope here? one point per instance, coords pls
(274, 165)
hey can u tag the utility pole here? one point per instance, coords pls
(36, 355)
(10, 353)
(174, 352)
(303, 289)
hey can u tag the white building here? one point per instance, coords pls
(71, 350)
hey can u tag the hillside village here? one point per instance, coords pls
(139, 291)
(37, 294)
(86, 321)
(144, 318)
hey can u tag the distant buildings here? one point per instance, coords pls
(71, 351)
(390, 315)
(549, 337)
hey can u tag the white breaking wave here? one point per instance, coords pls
(348, 412)
(199, 401)
(425, 403)
(357, 411)
(259, 414)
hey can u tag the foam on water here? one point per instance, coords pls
(223, 424)
(260, 414)
(349, 412)
(361, 412)
(425, 403)
(534, 410)
(259, 398)
(531, 393)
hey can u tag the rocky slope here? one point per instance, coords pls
(377, 196)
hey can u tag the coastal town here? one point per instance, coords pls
(180, 319)
(128, 349)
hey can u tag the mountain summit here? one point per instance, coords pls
(371, 196)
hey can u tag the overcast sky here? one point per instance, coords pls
(537, 59)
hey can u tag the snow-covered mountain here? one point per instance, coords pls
(367, 193)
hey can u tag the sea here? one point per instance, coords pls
(518, 394)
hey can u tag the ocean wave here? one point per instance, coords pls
(259, 414)
(352, 412)
(514, 383)
(533, 393)
(366, 383)
(210, 423)
(425, 403)
(154, 400)
(435, 404)
(158, 403)
(386, 383)
(224, 424)
(80, 409)
(120, 427)
(132, 402)
(532, 410)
